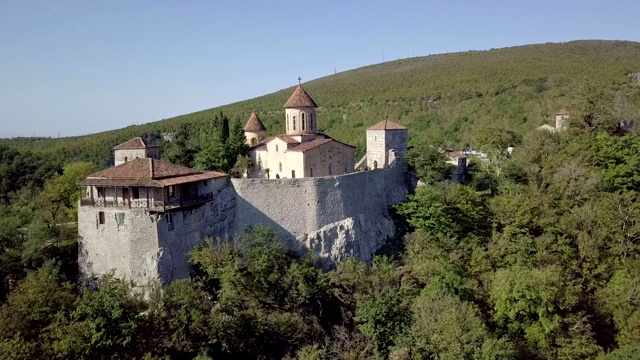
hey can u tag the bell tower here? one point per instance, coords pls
(300, 113)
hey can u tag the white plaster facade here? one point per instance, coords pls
(301, 152)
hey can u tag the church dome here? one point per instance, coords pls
(300, 98)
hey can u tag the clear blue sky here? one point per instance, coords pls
(79, 67)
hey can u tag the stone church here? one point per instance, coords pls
(301, 151)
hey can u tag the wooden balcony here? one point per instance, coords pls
(149, 204)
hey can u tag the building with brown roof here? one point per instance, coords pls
(136, 148)
(561, 118)
(386, 142)
(127, 214)
(254, 130)
(301, 151)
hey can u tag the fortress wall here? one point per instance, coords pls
(334, 216)
(189, 226)
(110, 246)
(287, 205)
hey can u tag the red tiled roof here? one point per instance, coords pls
(316, 143)
(135, 143)
(456, 154)
(254, 124)
(148, 172)
(288, 139)
(562, 112)
(387, 125)
(300, 98)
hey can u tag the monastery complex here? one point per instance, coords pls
(140, 218)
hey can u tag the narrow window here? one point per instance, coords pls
(303, 122)
(293, 174)
(101, 217)
(169, 219)
(330, 170)
(280, 167)
(135, 193)
(310, 171)
(313, 122)
(126, 159)
(120, 217)
(276, 147)
(294, 123)
(375, 164)
(375, 138)
(172, 191)
(345, 168)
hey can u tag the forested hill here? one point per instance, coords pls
(450, 96)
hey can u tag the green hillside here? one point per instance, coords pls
(449, 96)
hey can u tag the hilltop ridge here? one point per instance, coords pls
(454, 95)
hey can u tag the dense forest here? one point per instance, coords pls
(537, 256)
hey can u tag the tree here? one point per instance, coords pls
(180, 153)
(430, 164)
(61, 192)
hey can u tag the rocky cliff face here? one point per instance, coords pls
(359, 236)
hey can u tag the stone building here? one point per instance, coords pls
(301, 152)
(561, 118)
(141, 218)
(386, 141)
(132, 212)
(136, 148)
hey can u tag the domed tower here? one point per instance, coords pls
(300, 113)
(254, 130)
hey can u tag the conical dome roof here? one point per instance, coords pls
(300, 98)
(254, 124)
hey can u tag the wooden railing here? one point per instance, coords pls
(147, 204)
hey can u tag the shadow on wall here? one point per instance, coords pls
(259, 218)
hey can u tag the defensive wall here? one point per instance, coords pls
(334, 216)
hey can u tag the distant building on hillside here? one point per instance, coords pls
(561, 118)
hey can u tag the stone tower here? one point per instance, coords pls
(254, 130)
(300, 113)
(386, 142)
(561, 119)
(136, 148)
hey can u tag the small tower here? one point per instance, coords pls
(136, 148)
(386, 142)
(561, 119)
(254, 130)
(300, 113)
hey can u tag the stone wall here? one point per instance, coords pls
(335, 216)
(128, 249)
(180, 230)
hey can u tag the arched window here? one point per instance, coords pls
(294, 123)
(280, 167)
(254, 141)
(303, 122)
(375, 164)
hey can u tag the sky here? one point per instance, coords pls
(71, 68)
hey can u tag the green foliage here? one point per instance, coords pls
(180, 152)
